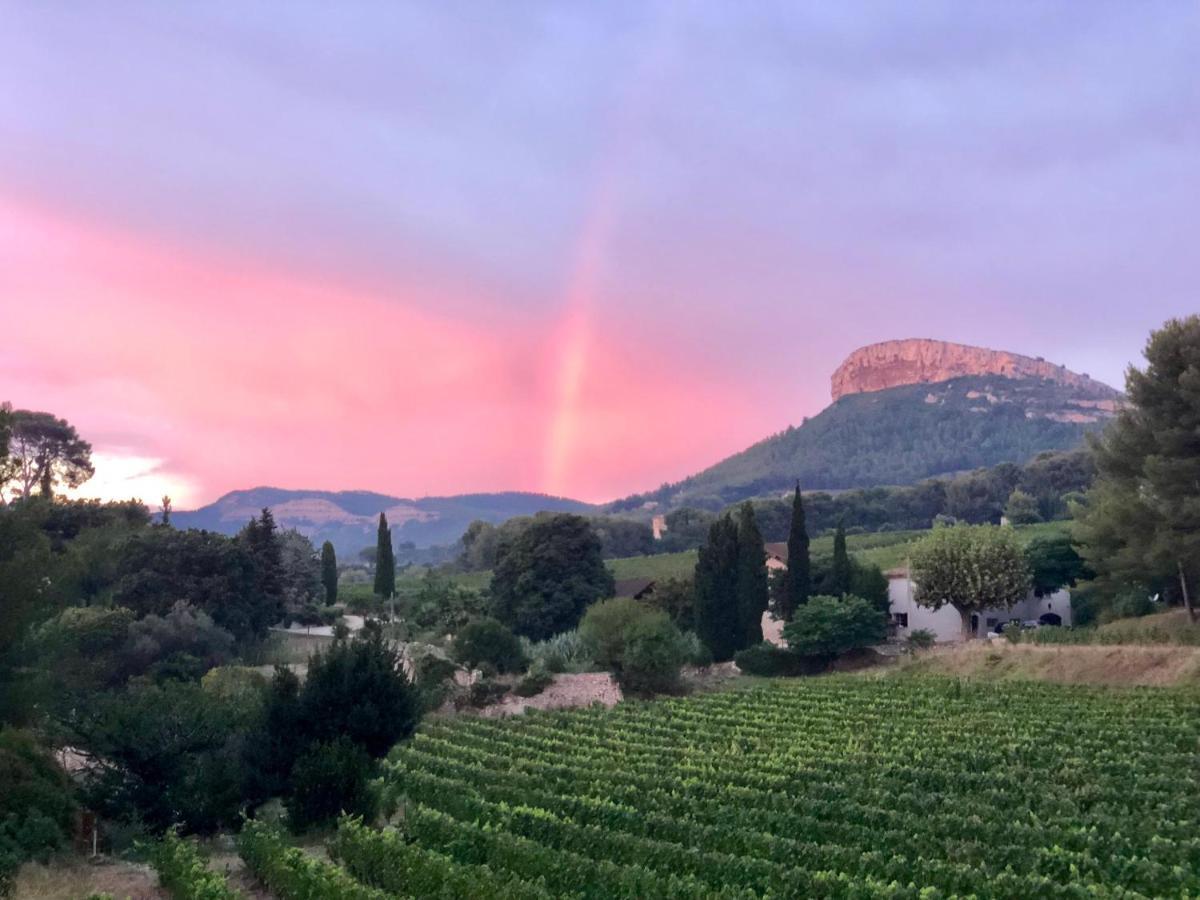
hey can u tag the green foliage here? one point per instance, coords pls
(547, 575)
(828, 626)
(385, 561)
(1139, 526)
(43, 452)
(840, 571)
(299, 570)
(1021, 508)
(185, 873)
(1054, 563)
(291, 874)
(770, 661)
(920, 639)
(677, 598)
(36, 803)
(652, 655)
(485, 692)
(797, 578)
(329, 572)
(603, 628)
(970, 567)
(566, 652)
(716, 609)
(489, 641)
(751, 581)
(330, 779)
(536, 681)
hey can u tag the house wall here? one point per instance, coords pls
(945, 622)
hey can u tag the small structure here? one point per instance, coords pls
(637, 588)
(906, 615)
(777, 556)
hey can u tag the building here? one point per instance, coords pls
(777, 556)
(637, 588)
(907, 615)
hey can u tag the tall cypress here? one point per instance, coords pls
(716, 609)
(329, 573)
(840, 575)
(752, 587)
(385, 561)
(798, 580)
(262, 541)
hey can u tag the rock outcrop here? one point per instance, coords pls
(877, 367)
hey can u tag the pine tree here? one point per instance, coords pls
(262, 541)
(329, 572)
(798, 579)
(752, 587)
(842, 571)
(385, 561)
(716, 609)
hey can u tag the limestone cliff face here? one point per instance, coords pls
(922, 361)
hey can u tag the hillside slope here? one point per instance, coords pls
(349, 518)
(899, 435)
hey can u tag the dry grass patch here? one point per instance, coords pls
(75, 878)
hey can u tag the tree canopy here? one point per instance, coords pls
(43, 452)
(798, 575)
(827, 626)
(716, 581)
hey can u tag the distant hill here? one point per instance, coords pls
(349, 518)
(904, 411)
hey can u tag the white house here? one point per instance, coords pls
(908, 616)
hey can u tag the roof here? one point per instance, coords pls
(898, 572)
(777, 549)
(633, 587)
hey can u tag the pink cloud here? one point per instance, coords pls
(232, 375)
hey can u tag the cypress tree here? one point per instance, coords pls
(752, 587)
(262, 541)
(329, 573)
(798, 580)
(716, 608)
(841, 573)
(385, 561)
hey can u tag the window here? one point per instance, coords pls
(992, 623)
(900, 620)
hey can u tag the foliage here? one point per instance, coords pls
(329, 572)
(489, 641)
(566, 652)
(717, 620)
(695, 653)
(696, 797)
(485, 692)
(1054, 563)
(261, 540)
(603, 628)
(185, 873)
(535, 681)
(751, 580)
(36, 802)
(1021, 508)
(330, 779)
(385, 561)
(797, 578)
(1141, 523)
(547, 575)
(43, 452)
(770, 661)
(437, 604)
(840, 571)
(291, 874)
(920, 639)
(300, 570)
(677, 598)
(866, 580)
(827, 626)
(970, 567)
(652, 655)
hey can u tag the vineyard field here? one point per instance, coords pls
(832, 787)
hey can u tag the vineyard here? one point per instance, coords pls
(837, 787)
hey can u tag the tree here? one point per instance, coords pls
(798, 578)
(44, 452)
(329, 573)
(1141, 525)
(842, 570)
(300, 570)
(261, 539)
(1054, 563)
(488, 641)
(828, 626)
(547, 575)
(752, 587)
(166, 511)
(1021, 508)
(716, 610)
(385, 561)
(970, 567)
(330, 779)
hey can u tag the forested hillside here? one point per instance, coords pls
(896, 436)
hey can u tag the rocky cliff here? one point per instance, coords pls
(877, 367)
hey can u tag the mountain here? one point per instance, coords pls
(904, 411)
(349, 518)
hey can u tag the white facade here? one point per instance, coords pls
(907, 615)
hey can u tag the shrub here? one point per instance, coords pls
(827, 626)
(652, 655)
(485, 692)
(330, 779)
(535, 682)
(770, 661)
(489, 641)
(36, 805)
(566, 652)
(603, 628)
(184, 873)
(432, 670)
(1130, 605)
(694, 651)
(921, 639)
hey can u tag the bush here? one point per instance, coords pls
(921, 639)
(566, 652)
(432, 670)
(484, 692)
(489, 641)
(694, 651)
(603, 628)
(1130, 605)
(184, 872)
(827, 626)
(36, 805)
(535, 682)
(330, 779)
(770, 661)
(653, 653)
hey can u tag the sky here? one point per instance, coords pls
(573, 248)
